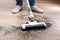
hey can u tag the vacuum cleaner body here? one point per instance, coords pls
(32, 23)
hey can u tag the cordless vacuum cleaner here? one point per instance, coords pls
(32, 23)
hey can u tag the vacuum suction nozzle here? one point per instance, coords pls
(33, 25)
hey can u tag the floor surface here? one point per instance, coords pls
(10, 22)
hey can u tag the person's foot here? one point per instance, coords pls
(17, 9)
(36, 9)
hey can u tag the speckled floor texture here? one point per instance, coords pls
(10, 22)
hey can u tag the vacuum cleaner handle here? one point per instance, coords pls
(31, 16)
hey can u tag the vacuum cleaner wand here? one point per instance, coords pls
(32, 23)
(31, 16)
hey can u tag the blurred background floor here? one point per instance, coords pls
(9, 22)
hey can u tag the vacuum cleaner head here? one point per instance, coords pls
(33, 25)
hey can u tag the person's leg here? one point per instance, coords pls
(19, 2)
(34, 7)
(18, 7)
(32, 2)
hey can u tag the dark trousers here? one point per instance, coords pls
(20, 2)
